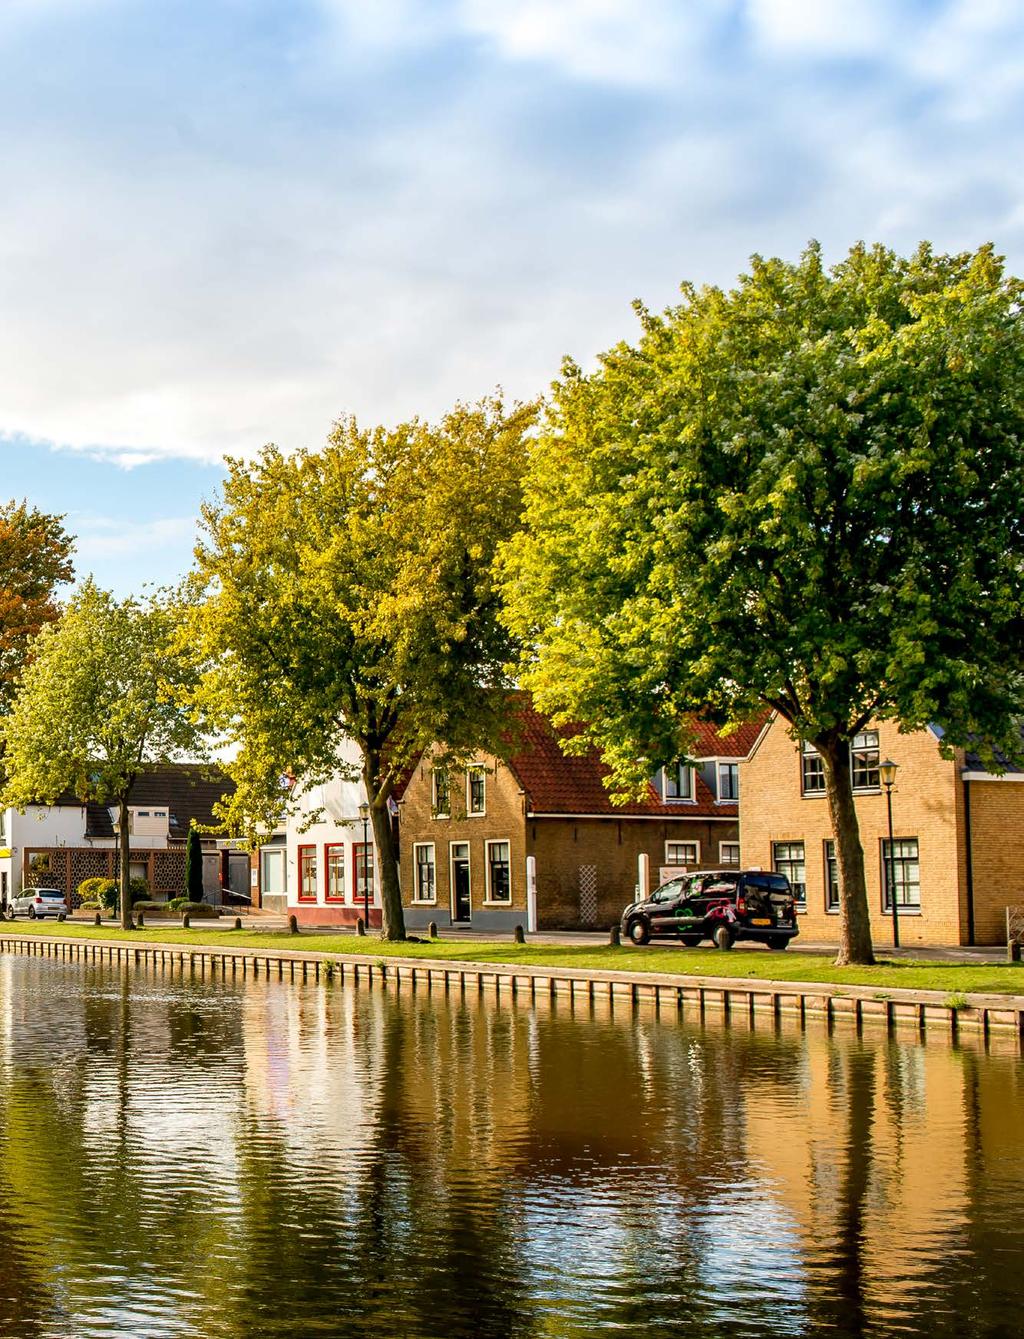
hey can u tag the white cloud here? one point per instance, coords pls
(827, 27)
(100, 538)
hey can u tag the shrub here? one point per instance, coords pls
(89, 890)
(90, 906)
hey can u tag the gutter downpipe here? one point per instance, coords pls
(969, 862)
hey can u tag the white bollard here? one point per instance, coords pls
(643, 876)
(531, 894)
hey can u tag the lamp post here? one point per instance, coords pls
(887, 771)
(364, 814)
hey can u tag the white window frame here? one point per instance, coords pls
(830, 856)
(729, 864)
(478, 769)
(679, 769)
(808, 751)
(446, 811)
(789, 861)
(489, 900)
(727, 799)
(903, 908)
(677, 864)
(281, 851)
(416, 847)
(876, 748)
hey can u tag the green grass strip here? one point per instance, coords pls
(953, 978)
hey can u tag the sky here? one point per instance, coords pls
(228, 222)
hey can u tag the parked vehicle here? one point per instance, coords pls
(35, 903)
(721, 905)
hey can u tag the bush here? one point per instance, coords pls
(181, 904)
(90, 906)
(89, 890)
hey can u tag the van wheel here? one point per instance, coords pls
(723, 937)
(639, 932)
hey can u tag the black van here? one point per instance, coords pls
(721, 905)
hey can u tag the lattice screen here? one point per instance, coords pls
(588, 894)
(1015, 925)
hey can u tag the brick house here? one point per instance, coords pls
(469, 838)
(958, 834)
(58, 845)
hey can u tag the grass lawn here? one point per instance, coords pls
(951, 978)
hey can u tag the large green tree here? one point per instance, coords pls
(348, 593)
(35, 558)
(804, 493)
(96, 708)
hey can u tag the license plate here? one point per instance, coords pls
(760, 920)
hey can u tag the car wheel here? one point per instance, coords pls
(723, 937)
(691, 941)
(31, 913)
(639, 932)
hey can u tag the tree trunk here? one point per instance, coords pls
(124, 872)
(854, 923)
(392, 916)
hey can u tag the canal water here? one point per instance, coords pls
(236, 1159)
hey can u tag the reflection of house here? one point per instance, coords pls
(958, 834)
(467, 834)
(58, 845)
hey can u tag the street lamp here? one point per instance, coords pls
(364, 814)
(887, 771)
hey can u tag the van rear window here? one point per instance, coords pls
(767, 883)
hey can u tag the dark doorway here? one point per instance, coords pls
(460, 882)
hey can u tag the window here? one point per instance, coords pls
(476, 791)
(864, 758)
(3, 825)
(729, 853)
(365, 874)
(334, 857)
(906, 873)
(499, 882)
(831, 877)
(425, 872)
(307, 873)
(812, 771)
(272, 870)
(682, 853)
(678, 782)
(728, 781)
(442, 793)
(788, 859)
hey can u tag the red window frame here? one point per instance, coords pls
(330, 847)
(303, 854)
(357, 886)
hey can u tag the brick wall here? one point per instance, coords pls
(927, 804)
(502, 821)
(574, 854)
(997, 849)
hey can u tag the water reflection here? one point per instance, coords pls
(235, 1159)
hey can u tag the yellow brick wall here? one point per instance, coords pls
(502, 821)
(997, 847)
(926, 802)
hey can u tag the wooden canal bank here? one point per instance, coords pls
(928, 1013)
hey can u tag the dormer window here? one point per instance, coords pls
(728, 781)
(677, 782)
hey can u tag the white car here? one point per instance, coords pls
(35, 903)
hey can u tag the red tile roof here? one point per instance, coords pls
(559, 784)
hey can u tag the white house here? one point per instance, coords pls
(324, 871)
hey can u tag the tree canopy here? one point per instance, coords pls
(95, 707)
(35, 558)
(349, 593)
(803, 493)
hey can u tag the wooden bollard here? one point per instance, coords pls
(97, 920)
(360, 926)
(293, 924)
(432, 929)
(518, 937)
(1013, 951)
(238, 922)
(185, 920)
(140, 919)
(614, 936)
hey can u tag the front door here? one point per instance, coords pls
(460, 881)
